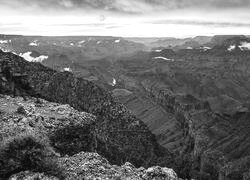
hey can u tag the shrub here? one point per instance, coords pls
(27, 152)
(21, 110)
(72, 139)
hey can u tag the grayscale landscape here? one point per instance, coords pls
(124, 90)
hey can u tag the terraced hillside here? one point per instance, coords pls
(197, 104)
(35, 134)
(195, 100)
(122, 137)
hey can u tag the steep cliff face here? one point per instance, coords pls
(202, 100)
(121, 136)
(214, 141)
(73, 137)
(208, 114)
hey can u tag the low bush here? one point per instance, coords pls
(27, 152)
(72, 139)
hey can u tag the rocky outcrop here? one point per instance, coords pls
(70, 132)
(120, 135)
(92, 166)
(68, 129)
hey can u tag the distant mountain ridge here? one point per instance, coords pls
(71, 50)
(195, 42)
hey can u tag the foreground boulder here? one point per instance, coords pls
(69, 130)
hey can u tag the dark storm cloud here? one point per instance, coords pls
(127, 6)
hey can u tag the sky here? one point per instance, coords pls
(127, 18)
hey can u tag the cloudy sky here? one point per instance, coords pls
(130, 18)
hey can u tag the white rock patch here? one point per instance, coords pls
(205, 48)
(81, 42)
(231, 47)
(113, 82)
(166, 59)
(117, 41)
(67, 69)
(27, 56)
(4, 41)
(158, 50)
(244, 46)
(4, 50)
(34, 43)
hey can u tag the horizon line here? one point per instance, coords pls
(191, 36)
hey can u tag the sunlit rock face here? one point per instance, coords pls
(244, 46)
(34, 43)
(162, 58)
(4, 41)
(27, 56)
(231, 47)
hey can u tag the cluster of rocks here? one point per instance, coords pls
(47, 118)
(92, 166)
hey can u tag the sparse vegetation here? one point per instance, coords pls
(21, 110)
(72, 139)
(27, 152)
